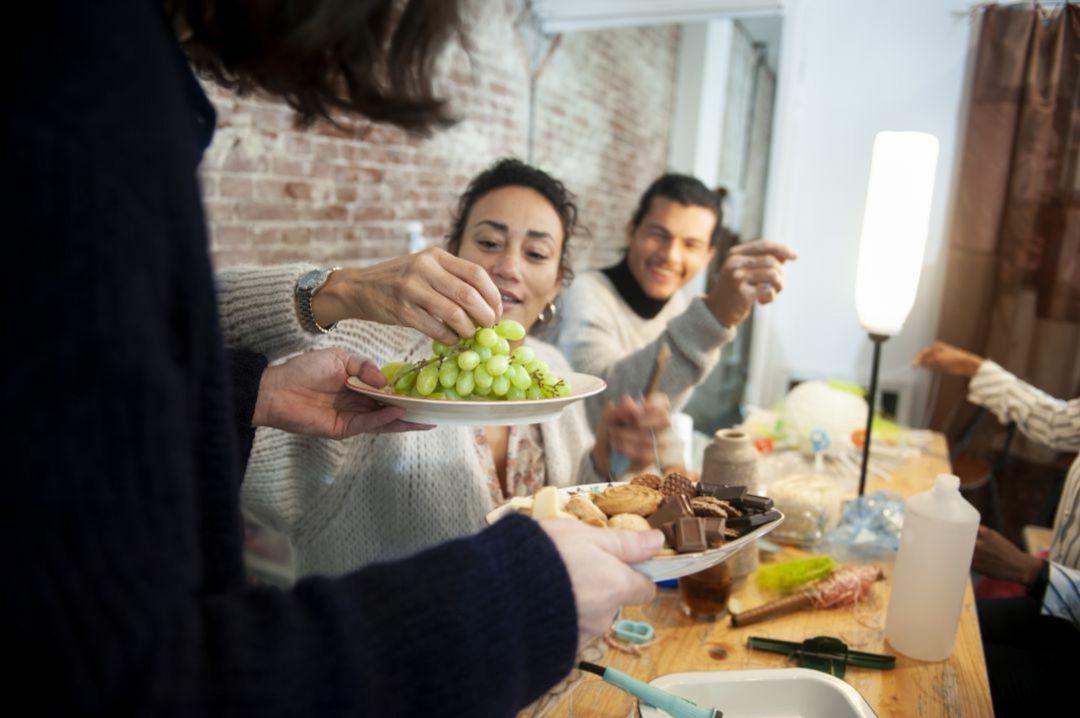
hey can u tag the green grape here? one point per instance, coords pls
(497, 365)
(468, 359)
(482, 377)
(510, 329)
(405, 382)
(465, 383)
(391, 369)
(483, 366)
(523, 355)
(428, 380)
(448, 374)
(520, 378)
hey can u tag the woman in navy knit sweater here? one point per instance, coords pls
(124, 590)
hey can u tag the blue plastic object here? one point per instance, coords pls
(634, 631)
(869, 529)
(618, 464)
(819, 440)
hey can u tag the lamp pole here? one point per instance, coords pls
(878, 340)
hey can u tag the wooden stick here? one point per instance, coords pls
(662, 356)
(844, 587)
(764, 612)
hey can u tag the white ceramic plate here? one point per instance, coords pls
(485, 413)
(663, 568)
(772, 693)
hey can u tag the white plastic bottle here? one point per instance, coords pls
(931, 573)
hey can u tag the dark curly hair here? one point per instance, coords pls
(372, 57)
(510, 172)
(685, 190)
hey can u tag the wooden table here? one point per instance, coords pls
(955, 687)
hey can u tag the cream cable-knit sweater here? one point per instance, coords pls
(380, 496)
(601, 335)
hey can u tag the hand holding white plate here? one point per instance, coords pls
(663, 568)
(472, 412)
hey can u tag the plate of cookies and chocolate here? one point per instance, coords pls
(702, 523)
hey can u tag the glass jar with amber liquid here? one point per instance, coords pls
(704, 595)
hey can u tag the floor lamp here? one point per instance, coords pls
(894, 230)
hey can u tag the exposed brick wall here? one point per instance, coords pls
(276, 194)
(604, 108)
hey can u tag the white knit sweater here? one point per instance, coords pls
(601, 335)
(373, 497)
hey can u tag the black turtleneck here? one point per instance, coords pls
(627, 285)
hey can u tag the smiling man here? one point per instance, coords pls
(615, 319)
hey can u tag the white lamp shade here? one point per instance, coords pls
(894, 229)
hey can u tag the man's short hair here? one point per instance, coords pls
(686, 190)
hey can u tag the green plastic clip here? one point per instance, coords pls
(823, 653)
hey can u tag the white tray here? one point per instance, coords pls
(770, 693)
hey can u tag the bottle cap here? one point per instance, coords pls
(946, 483)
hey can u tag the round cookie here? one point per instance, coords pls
(631, 522)
(675, 483)
(629, 499)
(651, 480)
(586, 510)
(706, 506)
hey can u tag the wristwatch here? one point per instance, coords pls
(306, 286)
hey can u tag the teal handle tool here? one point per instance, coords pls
(673, 705)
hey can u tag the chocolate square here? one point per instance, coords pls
(689, 535)
(669, 534)
(673, 508)
(757, 503)
(719, 491)
(752, 521)
(714, 531)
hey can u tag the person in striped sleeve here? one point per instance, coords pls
(1032, 642)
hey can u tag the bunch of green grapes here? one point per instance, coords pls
(481, 367)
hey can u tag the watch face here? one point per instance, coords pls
(312, 280)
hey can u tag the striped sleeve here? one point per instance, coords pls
(1062, 597)
(1039, 416)
(257, 310)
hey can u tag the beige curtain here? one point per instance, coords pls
(1012, 288)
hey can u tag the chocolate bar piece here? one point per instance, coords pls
(714, 531)
(719, 491)
(669, 533)
(673, 508)
(757, 503)
(689, 535)
(752, 521)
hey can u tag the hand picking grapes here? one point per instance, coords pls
(482, 367)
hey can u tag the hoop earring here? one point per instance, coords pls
(548, 313)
